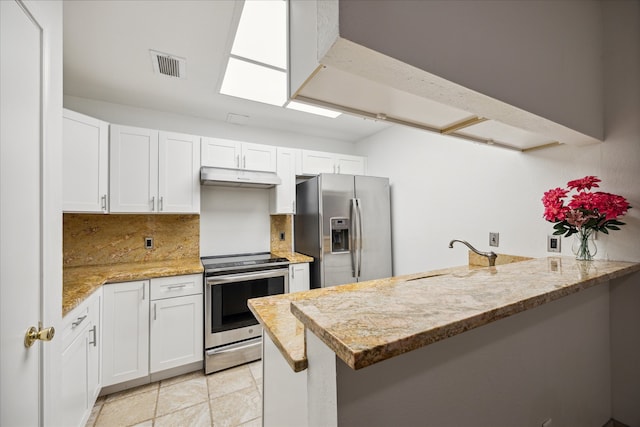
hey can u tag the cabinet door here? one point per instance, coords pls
(350, 165)
(257, 157)
(176, 326)
(299, 277)
(178, 173)
(283, 196)
(73, 392)
(134, 169)
(94, 347)
(125, 332)
(85, 160)
(317, 162)
(221, 153)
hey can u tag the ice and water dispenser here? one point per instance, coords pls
(339, 235)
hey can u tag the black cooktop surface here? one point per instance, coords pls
(255, 261)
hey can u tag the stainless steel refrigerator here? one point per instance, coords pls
(344, 223)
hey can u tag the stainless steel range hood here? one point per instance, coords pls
(238, 178)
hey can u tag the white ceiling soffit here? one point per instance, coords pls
(363, 82)
(106, 58)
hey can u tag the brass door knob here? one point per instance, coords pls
(33, 334)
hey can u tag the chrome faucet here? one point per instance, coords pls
(490, 255)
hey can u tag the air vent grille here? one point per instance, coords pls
(169, 65)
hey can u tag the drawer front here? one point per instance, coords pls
(77, 319)
(176, 286)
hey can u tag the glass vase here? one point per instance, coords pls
(584, 247)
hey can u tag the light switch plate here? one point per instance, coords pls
(554, 243)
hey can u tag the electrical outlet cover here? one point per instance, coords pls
(553, 244)
(494, 239)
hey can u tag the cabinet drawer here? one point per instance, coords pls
(74, 323)
(176, 286)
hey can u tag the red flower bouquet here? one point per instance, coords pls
(584, 212)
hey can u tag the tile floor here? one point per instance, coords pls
(230, 398)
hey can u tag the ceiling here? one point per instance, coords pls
(106, 58)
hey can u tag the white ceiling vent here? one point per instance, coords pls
(169, 65)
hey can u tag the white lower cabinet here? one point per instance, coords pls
(299, 277)
(176, 326)
(150, 326)
(125, 332)
(80, 361)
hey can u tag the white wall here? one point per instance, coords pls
(444, 188)
(541, 56)
(234, 220)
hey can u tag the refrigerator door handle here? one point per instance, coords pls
(359, 210)
(353, 213)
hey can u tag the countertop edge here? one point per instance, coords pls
(360, 359)
(79, 282)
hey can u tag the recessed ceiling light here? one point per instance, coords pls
(294, 105)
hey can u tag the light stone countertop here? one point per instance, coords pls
(368, 322)
(293, 257)
(80, 282)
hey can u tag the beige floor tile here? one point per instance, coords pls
(130, 392)
(148, 423)
(181, 378)
(228, 381)
(256, 370)
(182, 395)
(194, 416)
(236, 408)
(132, 410)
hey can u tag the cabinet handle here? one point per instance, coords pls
(95, 341)
(338, 168)
(161, 204)
(238, 161)
(78, 321)
(104, 202)
(172, 287)
(244, 162)
(144, 288)
(293, 206)
(155, 311)
(153, 204)
(293, 273)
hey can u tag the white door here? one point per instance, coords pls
(30, 207)
(176, 330)
(125, 332)
(133, 177)
(85, 159)
(317, 162)
(221, 153)
(258, 157)
(178, 173)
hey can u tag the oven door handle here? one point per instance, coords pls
(219, 280)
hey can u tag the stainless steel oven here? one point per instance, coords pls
(232, 334)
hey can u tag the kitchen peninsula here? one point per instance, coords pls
(515, 344)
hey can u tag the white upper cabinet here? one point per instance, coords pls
(85, 158)
(153, 171)
(283, 196)
(317, 162)
(226, 153)
(178, 173)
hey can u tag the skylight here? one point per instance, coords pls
(257, 66)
